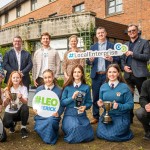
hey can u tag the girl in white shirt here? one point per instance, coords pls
(20, 111)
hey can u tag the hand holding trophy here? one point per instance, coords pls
(108, 106)
(79, 100)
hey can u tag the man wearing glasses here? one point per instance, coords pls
(134, 61)
(18, 59)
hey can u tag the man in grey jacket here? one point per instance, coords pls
(134, 62)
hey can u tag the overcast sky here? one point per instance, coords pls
(4, 2)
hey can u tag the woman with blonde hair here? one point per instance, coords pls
(69, 64)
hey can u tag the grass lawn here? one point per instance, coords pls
(33, 142)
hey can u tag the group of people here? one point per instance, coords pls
(108, 84)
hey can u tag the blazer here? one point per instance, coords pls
(10, 64)
(53, 62)
(141, 55)
(94, 64)
(145, 93)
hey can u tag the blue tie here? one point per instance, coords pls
(112, 86)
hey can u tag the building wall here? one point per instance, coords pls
(134, 11)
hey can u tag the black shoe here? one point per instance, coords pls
(12, 129)
(24, 133)
(147, 136)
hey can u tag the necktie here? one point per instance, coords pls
(48, 89)
(76, 86)
(112, 86)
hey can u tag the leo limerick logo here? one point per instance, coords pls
(121, 47)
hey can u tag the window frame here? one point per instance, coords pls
(6, 18)
(18, 11)
(79, 5)
(33, 5)
(113, 6)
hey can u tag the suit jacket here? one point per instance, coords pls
(53, 62)
(94, 64)
(10, 64)
(141, 55)
(145, 93)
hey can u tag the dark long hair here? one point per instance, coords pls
(71, 79)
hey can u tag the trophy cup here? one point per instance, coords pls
(107, 119)
(13, 105)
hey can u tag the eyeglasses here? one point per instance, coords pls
(131, 30)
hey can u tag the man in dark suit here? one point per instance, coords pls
(18, 59)
(134, 61)
(143, 113)
(99, 66)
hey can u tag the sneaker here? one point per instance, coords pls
(12, 129)
(24, 133)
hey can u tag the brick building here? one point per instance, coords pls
(21, 16)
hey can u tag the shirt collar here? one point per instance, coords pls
(115, 83)
(18, 52)
(101, 43)
(50, 87)
(79, 84)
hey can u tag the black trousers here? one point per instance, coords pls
(22, 115)
(133, 81)
(40, 81)
(144, 118)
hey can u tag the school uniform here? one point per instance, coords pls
(76, 127)
(119, 129)
(48, 128)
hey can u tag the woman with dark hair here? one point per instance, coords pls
(116, 91)
(75, 125)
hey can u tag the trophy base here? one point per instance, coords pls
(107, 120)
(13, 109)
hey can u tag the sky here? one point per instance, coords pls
(4, 2)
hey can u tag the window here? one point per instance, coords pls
(18, 11)
(33, 5)
(53, 15)
(79, 8)
(114, 6)
(51, 0)
(6, 17)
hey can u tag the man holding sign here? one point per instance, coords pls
(99, 66)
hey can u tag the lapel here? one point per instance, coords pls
(15, 58)
(22, 59)
(137, 45)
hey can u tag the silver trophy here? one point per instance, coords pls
(13, 105)
(108, 106)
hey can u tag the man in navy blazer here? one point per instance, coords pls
(134, 61)
(99, 66)
(18, 59)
